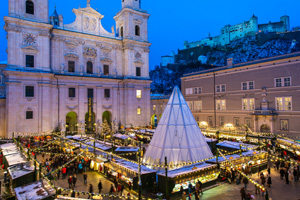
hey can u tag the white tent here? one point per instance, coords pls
(177, 136)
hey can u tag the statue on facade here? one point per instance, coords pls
(62, 68)
(99, 71)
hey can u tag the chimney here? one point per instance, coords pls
(229, 62)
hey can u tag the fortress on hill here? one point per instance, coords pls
(245, 29)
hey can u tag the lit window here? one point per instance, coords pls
(284, 125)
(139, 94)
(198, 105)
(154, 107)
(220, 88)
(284, 103)
(283, 82)
(191, 105)
(138, 111)
(221, 104)
(248, 104)
(188, 91)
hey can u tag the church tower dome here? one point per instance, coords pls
(133, 4)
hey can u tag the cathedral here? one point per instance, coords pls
(62, 76)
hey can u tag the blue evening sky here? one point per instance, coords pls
(174, 21)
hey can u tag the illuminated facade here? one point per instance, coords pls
(263, 94)
(53, 68)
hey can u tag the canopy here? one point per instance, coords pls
(177, 136)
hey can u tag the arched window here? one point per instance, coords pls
(137, 30)
(122, 31)
(89, 67)
(138, 111)
(29, 7)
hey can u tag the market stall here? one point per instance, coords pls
(249, 162)
(35, 191)
(97, 164)
(233, 146)
(204, 172)
(127, 172)
(21, 174)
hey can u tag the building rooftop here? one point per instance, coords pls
(285, 56)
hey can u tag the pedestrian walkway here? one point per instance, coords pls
(279, 190)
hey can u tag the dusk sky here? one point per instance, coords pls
(174, 21)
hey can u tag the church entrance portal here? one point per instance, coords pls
(71, 122)
(265, 128)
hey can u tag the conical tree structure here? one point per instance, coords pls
(177, 136)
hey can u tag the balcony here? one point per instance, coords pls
(264, 112)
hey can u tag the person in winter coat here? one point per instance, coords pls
(100, 186)
(287, 177)
(183, 196)
(64, 172)
(73, 194)
(70, 181)
(269, 181)
(245, 181)
(111, 189)
(282, 173)
(243, 193)
(74, 180)
(85, 178)
(91, 190)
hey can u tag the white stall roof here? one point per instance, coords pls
(210, 139)
(9, 148)
(20, 170)
(187, 169)
(15, 159)
(177, 136)
(129, 149)
(235, 145)
(133, 166)
(121, 136)
(100, 145)
(35, 191)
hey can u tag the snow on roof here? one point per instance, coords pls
(288, 141)
(187, 169)
(177, 136)
(100, 145)
(121, 136)
(77, 137)
(133, 166)
(131, 149)
(15, 159)
(210, 139)
(20, 170)
(35, 191)
(9, 148)
(235, 145)
(234, 156)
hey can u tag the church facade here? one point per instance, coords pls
(53, 69)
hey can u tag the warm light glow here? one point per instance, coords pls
(139, 94)
(138, 111)
(203, 124)
(229, 126)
